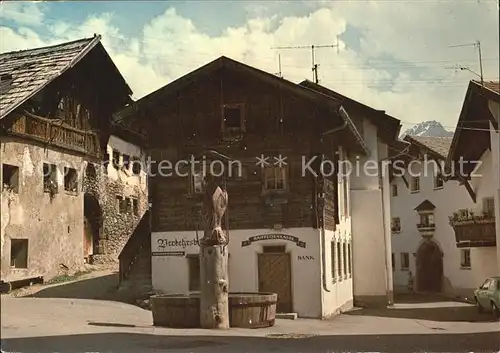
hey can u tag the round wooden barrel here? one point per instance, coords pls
(252, 310)
(176, 310)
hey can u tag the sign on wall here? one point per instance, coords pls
(276, 236)
(173, 246)
(168, 253)
(163, 243)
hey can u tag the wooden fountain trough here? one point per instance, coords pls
(246, 310)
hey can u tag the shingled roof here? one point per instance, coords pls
(26, 72)
(439, 145)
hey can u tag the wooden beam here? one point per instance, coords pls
(469, 188)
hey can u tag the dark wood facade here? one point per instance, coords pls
(72, 110)
(276, 117)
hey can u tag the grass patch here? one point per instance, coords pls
(67, 278)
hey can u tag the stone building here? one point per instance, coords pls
(115, 198)
(58, 209)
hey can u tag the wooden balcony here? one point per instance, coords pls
(426, 229)
(55, 133)
(474, 232)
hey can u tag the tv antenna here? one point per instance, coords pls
(477, 45)
(279, 67)
(313, 48)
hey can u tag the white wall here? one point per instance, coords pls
(170, 273)
(495, 150)
(370, 277)
(123, 174)
(447, 200)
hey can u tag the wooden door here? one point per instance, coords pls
(429, 268)
(275, 277)
(88, 238)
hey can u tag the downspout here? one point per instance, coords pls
(322, 229)
(388, 260)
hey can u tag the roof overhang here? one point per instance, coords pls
(472, 134)
(334, 105)
(388, 127)
(94, 43)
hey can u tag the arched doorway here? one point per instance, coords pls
(92, 226)
(429, 267)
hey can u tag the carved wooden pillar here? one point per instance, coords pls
(214, 284)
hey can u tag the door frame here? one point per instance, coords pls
(287, 253)
(426, 243)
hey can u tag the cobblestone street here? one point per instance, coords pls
(46, 325)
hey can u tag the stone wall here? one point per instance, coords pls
(49, 225)
(115, 227)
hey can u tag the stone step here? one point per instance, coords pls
(287, 316)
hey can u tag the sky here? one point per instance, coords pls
(400, 56)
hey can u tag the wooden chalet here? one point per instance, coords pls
(56, 106)
(281, 216)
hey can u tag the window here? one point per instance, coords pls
(438, 181)
(121, 204)
(116, 159)
(345, 188)
(427, 219)
(465, 258)
(396, 225)
(194, 272)
(344, 256)
(489, 207)
(135, 206)
(463, 213)
(274, 249)
(275, 178)
(197, 184)
(50, 178)
(10, 178)
(19, 253)
(126, 161)
(393, 261)
(233, 117)
(339, 258)
(70, 179)
(130, 208)
(394, 190)
(106, 162)
(349, 258)
(334, 261)
(415, 184)
(136, 166)
(90, 171)
(405, 261)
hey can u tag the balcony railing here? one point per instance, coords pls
(55, 133)
(426, 226)
(474, 231)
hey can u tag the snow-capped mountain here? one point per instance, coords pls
(430, 128)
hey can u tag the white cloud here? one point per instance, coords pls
(419, 33)
(22, 12)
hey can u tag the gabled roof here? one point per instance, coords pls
(439, 145)
(225, 62)
(388, 126)
(425, 206)
(26, 72)
(236, 66)
(472, 134)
